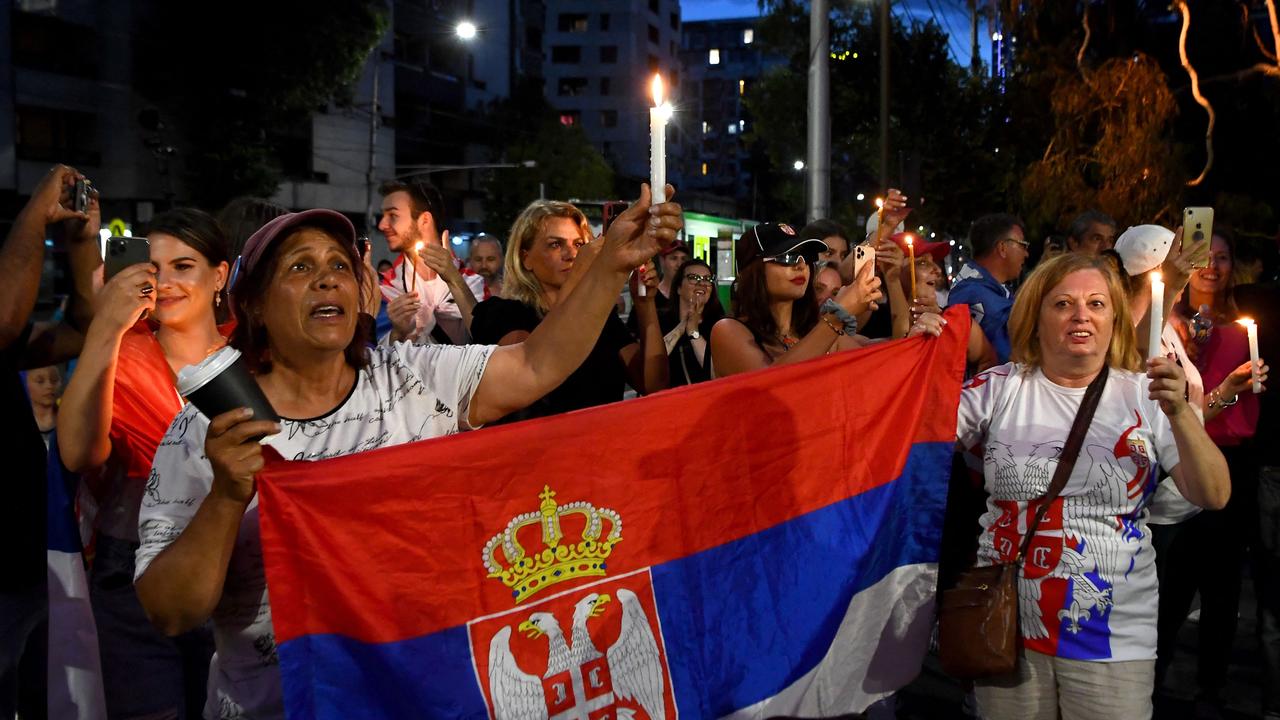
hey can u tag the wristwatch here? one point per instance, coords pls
(695, 334)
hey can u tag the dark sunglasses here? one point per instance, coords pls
(697, 279)
(787, 259)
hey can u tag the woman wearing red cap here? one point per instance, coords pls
(296, 304)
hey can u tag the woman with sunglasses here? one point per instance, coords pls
(687, 323)
(776, 319)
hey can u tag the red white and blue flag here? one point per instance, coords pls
(761, 545)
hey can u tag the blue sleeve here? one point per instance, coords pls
(990, 310)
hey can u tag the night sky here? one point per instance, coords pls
(952, 15)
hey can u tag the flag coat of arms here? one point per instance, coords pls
(762, 545)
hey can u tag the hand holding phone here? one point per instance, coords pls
(1197, 229)
(123, 252)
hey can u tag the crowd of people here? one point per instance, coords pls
(1176, 492)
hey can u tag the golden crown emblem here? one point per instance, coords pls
(528, 573)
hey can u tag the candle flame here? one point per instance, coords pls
(910, 240)
(879, 202)
(1247, 322)
(1156, 277)
(656, 88)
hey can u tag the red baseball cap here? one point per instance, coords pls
(938, 250)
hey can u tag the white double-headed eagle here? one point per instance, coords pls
(634, 663)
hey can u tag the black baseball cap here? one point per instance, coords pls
(773, 239)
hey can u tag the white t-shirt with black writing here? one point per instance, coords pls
(408, 393)
(1087, 588)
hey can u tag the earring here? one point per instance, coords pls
(217, 298)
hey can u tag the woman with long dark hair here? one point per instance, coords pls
(776, 319)
(687, 323)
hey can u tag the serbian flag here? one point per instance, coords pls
(762, 545)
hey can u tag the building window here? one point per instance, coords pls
(653, 35)
(572, 22)
(704, 168)
(706, 127)
(604, 22)
(742, 126)
(675, 78)
(605, 86)
(653, 6)
(566, 54)
(609, 118)
(748, 36)
(675, 21)
(713, 56)
(732, 129)
(572, 87)
(742, 86)
(653, 63)
(608, 54)
(570, 118)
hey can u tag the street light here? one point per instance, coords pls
(798, 165)
(466, 30)
(861, 197)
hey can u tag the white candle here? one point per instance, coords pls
(1252, 328)
(659, 114)
(1156, 314)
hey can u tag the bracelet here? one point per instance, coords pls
(826, 318)
(1216, 401)
(849, 321)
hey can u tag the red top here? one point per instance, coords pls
(1226, 349)
(145, 399)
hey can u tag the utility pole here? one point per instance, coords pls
(371, 219)
(884, 95)
(819, 123)
(975, 61)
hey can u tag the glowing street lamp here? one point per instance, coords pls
(466, 30)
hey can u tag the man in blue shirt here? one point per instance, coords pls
(999, 249)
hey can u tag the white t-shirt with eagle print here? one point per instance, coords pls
(408, 393)
(1087, 588)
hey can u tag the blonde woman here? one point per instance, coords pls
(1087, 585)
(549, 249)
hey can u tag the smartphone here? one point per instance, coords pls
(80, 200)
(123, 252)
(1197, 233)
(862, 254)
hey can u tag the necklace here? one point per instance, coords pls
(787, 341)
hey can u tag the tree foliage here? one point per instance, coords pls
(942, 120)
(233, 76)
(524, 128)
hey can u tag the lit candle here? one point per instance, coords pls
(1252, 328)
(1156, 314)
(641, 287)
(413, 265)
(659, 114)
(911, 260)
(879, 220)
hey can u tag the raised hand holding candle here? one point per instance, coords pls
(1252, 328)
(659, 114)
(1157, 315)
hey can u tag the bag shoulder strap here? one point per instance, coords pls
(1067, 460)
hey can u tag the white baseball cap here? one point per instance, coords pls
(1143, 248)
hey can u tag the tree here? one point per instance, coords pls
(525, 127)
(942, 120)
(234, 76)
